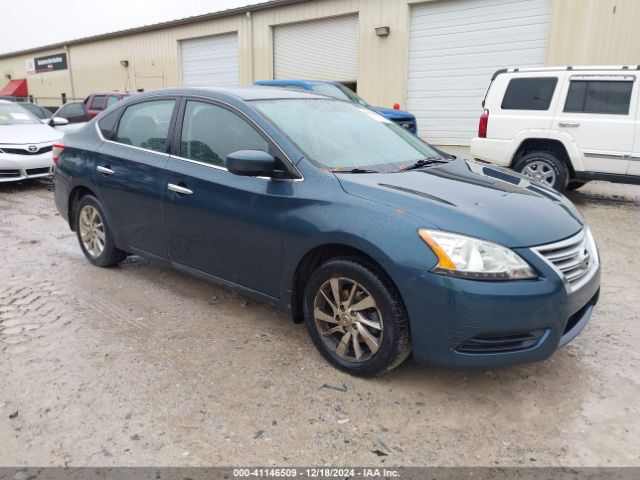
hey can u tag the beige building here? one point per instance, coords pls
(435, 58)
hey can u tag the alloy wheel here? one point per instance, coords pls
(348, 319)
(92, 232)
(540, 171)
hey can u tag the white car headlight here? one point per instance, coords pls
(475, 259)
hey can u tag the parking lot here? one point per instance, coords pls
(141, 365)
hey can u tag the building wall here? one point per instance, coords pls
(594, 32)
(582, 32)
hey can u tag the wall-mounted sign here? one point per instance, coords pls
(51, 63)
(30, 66)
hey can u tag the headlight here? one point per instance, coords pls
(474, 259)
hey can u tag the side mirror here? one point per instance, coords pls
(58, 121)
(251, 163)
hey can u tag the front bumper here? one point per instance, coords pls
(14, 168)
(464, 323)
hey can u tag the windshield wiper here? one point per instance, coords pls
(356, 170)
(424, 162)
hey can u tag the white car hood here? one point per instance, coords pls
(28, 134)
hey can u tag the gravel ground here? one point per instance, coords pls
(140, 365)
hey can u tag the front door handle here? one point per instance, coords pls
(180, 190)
(569, 124)
(105, 170)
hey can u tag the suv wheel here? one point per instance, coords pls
(356, 318)
(94, 234)
(544, 167)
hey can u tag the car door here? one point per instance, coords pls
(599, 116)
(129, 173)
(222, 224)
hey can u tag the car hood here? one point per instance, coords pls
(27, 134)
(473, 199)
(393, 114)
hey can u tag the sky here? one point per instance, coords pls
(43, 22)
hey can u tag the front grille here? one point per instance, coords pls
(408, 123)
(9, 173)
(574, 259)
(501, 343)
(38, 171)
(25, 151)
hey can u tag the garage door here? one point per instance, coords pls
(210, 61)
(455, 47)
(324, 49)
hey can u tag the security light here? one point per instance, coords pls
(383, 31)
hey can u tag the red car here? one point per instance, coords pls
(97, 102)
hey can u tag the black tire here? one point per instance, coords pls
(394, 346)
(556, 164)
(110, 255)
(575, 185)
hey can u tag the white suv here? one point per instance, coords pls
(563, 126)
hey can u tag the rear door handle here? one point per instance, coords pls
(569, 124)
(105, 170)
(179, 189)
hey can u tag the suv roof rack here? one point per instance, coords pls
(600, 68)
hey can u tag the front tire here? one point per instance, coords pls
(94, 234)
(544, 167)
(356, 318)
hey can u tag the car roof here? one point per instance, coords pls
(5, 101)
(247, 93)
(302, 83)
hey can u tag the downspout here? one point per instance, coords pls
(73, 90)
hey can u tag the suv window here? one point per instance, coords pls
(97, 102)
(111, 100)
(210, 133)
(74, 112)
(599, 96)
(146, 125)
(529, 93)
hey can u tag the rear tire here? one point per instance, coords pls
(369, 319)
(94, 234)
(544, 167)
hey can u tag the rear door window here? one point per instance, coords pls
(533, 93)
(210, 133)
(97, 102)
(610, 97)
(146, 125)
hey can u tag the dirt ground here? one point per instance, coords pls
(141, 365)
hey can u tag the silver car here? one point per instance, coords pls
(26, 144)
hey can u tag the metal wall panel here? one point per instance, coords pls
(210, 61)
(455, 47)
(319, 50)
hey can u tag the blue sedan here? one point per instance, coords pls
(379, 244)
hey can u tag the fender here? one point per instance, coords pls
(545, 134)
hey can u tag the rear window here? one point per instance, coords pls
(599, 96)
(529, 93)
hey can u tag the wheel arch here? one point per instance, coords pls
(75, 195)
(318, 255)
(558, 145)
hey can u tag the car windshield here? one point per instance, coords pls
(12, 114)
(343, 136)
(339, 92)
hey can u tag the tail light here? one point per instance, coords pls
(396, 106)
(484, 123)
(57, 151)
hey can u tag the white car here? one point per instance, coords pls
(563, 126)
(26, 143)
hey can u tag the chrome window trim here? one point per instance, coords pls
(217, 167)
(576, 239)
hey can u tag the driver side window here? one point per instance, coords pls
(210, 133)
